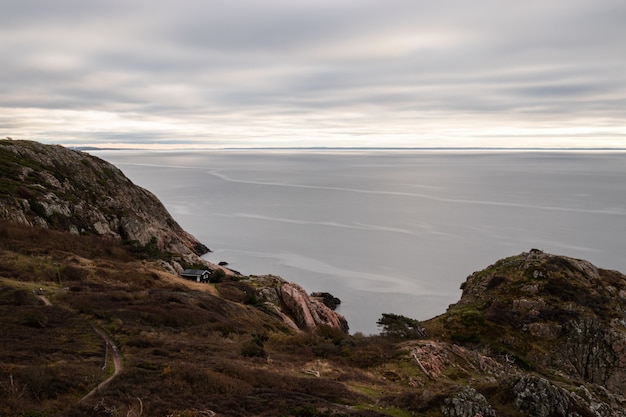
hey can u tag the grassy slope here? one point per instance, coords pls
(184, 347)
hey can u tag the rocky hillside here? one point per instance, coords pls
(51, 186)
(553, 313)
(556, 327)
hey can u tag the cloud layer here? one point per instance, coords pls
(323, 73)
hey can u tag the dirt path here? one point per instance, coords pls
(118, 365)
(45, 300)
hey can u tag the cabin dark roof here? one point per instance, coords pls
(194, 272)
(198, 275)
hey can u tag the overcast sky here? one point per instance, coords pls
(314, 72)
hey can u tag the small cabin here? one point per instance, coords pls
(198, 275)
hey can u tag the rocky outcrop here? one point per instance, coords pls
(538, 397)
(51, 186)
(328, 299)
(547, 300)
(291, 301)
(467, 402)
(556, 324)
(309, 312)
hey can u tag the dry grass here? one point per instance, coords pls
(185, 348)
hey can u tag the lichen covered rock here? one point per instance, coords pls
(467, 402)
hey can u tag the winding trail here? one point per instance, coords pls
(44, 299)
(118, 365)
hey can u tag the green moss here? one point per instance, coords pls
(514, 357)
(472, 318)
(149, 250)
(310, 411)
(465, 338)
(390, 411)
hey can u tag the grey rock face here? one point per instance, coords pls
(467, 403)
(537, 397)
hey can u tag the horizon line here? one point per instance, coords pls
(368, 148)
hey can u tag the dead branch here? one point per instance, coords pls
(414, 354)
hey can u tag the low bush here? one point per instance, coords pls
(34, 318)
(310, 411)
(216, 276)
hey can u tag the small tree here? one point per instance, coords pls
(396, 325)
(216, 276)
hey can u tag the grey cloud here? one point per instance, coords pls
(204, 63)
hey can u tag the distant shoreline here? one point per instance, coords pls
(323, 148)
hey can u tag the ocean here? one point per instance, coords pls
(388, 231)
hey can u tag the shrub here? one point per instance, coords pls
(149, 250)
(495, 281)
(371, 351)
(34, 413)
(250, 350)
(72, 273)
(216, 276)
(254, 347)
(396, 325)
(37, 208)
(310, 411)
(463, 339)
(22, 298)
(471, 318)
(44, 382)
(333, 334)
(35, 318)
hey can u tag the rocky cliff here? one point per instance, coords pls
(51, 186)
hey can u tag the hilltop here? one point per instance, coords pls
(89, 269)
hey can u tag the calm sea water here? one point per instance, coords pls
(388, 231)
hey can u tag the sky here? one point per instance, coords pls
(322, 73)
